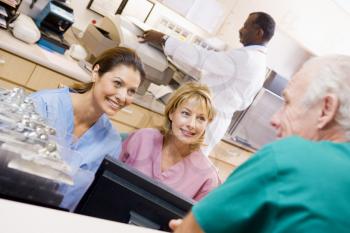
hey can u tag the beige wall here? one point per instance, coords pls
(318, 25)
(82, 15)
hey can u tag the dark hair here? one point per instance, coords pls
(266, 23)
(110, 59)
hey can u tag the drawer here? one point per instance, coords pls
(230, 154)
(43, 78)
(133, 116)
(15, 69)
(155, 120)
(68, 82)
(7, 85)
(224, 169)
(121, 128)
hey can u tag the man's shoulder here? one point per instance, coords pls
(290, 141)
(248, 53)
(296, 150)
(280, 150)
(288, 145)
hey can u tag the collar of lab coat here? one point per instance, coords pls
(260, 48)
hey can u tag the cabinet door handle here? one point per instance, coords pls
(126, 111)
(234, 153)
(2, 61)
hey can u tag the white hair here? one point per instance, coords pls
(330, 74)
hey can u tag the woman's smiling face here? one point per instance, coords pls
(189, 121)
(115, 89)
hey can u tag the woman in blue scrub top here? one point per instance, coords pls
(80, 114)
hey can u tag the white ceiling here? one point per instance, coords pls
(345, 4)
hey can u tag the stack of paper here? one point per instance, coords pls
(3, 11)
(12, 3)
(159, 91)
(3, 15)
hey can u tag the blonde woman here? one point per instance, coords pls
(172, 154)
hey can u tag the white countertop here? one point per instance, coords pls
(55, 61)
(18, 217)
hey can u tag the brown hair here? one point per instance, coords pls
(188, 91)
(110, 59)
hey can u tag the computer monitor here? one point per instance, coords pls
(121, 193)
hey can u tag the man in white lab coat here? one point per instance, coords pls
(234, 76)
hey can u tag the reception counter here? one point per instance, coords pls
(24, 218)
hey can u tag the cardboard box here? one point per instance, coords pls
(96, 40)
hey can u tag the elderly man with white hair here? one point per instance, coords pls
(300, 183)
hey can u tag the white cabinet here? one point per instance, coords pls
(207, 14)
(180, 6)
(285, 54)
(139, 9)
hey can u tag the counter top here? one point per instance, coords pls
(19, 217)
(54, 61)
(229, 140)
(149, 102)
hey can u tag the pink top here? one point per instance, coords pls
(194, 176)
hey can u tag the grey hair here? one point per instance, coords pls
(331, 74)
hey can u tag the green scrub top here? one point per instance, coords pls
(292, 185)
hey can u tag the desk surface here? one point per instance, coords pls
(23, 218)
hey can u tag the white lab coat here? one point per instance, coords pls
(234, 77)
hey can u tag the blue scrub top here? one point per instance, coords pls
(98, 141)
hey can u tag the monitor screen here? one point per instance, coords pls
(123, 194)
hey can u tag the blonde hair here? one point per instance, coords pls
(188, 91)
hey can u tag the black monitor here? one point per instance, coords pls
(123, 194)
